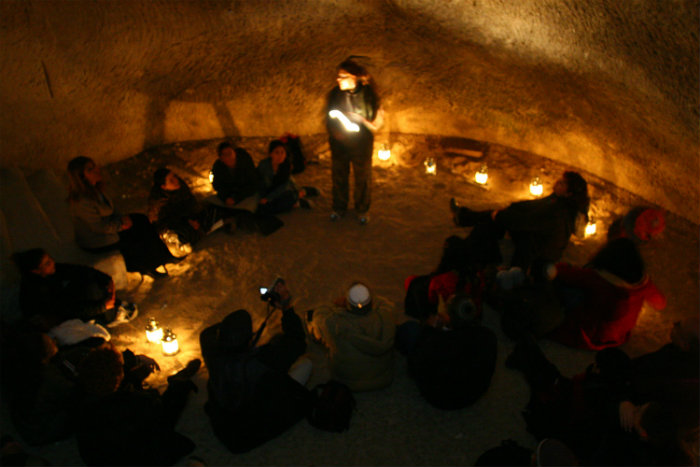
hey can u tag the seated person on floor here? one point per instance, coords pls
(38, 386)
(173, 209)
(602, 301)
(676, 363)
(99, 227)
(119, 422)
(236, 181)
(423, 292)
(278, 192)
(256, 393)
(454, 357)
(51, 293)
(540, 228)
(603, 417)
(358, 332)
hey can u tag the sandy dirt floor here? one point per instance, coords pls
(410, 219)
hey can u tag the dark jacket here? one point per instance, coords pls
(362, 101)
(237, 183)
(453, 368)
(540, 228)
(73, 291)
(252, 399)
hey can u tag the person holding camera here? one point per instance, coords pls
(358, 332)
(256, 392)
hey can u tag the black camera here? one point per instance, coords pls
(268, 294)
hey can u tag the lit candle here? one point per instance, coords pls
(591, 228)
(344, 120)
(384, 153)
(170, 345)
(536, 187)
(482, 175)
(430, 166)
(211, 176)
(154, 333)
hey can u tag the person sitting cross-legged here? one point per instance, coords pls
(358, 332)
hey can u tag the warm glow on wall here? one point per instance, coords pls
(482, 175)
(536, 187)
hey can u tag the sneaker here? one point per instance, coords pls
(364, 219)
(335, 216)
(125, 312)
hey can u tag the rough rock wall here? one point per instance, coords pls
(605, 85)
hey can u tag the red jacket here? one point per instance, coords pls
(610, 308)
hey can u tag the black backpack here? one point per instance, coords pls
(333, 406)
(295, 152)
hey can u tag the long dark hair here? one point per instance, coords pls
(364, 78)
(578, 191)
(157, 191)
(79, 187)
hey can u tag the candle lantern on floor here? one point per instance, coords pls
(211, 176)
(430, 166)
(482, 175)
(536, 187)
(590, 228)
(154, 333)
(170, 345)
(384, 153)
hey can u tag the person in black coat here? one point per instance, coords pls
(51, 293)
(540, 228)
(235, 175)
(252, 398)
(119, 422)
(454, 357)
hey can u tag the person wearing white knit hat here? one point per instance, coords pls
(358, 332)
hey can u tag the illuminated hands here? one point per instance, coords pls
(349, 126)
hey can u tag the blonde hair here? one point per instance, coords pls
(78, 186)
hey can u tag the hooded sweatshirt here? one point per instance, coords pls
(360, 346)
(609, 309)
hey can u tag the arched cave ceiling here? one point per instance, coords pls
(609, 86)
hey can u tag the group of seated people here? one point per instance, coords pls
(246, 197)
(619, 411)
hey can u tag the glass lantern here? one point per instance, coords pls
(482, 175)
(154, 333)
(536, 187)
(591, 228)
(430, 166)
(169, 343)
(384, 153)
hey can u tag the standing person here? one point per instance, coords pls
(99, 227)
(354, 99)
